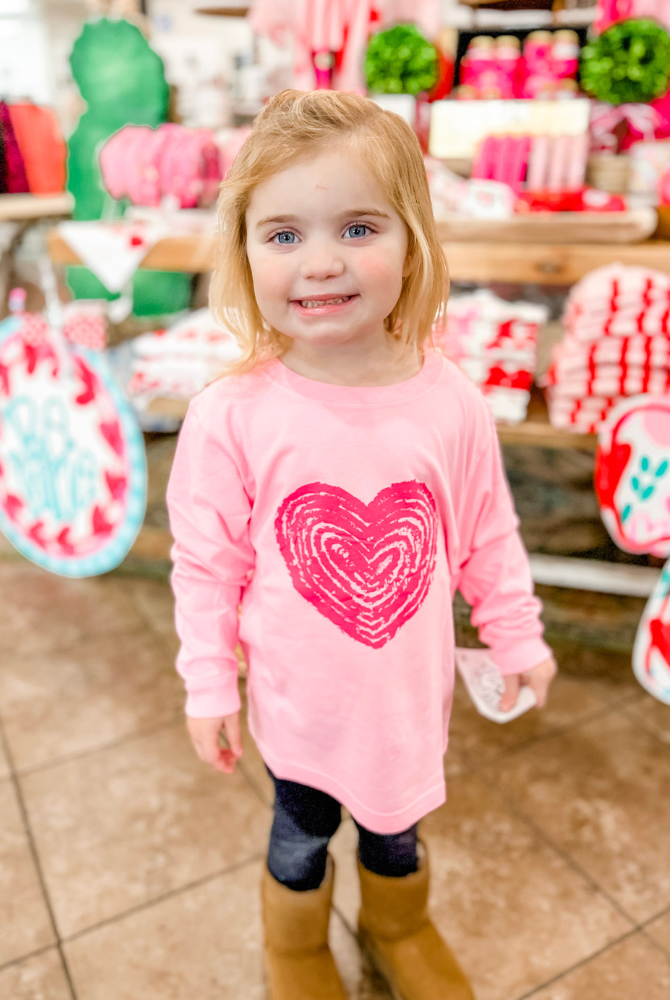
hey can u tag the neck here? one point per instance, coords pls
(360, 362)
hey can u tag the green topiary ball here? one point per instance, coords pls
(628, 63)
(400, 61)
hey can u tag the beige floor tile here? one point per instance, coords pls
(24, 919)
(651, 713)
(659, 930)
(478, 740)
(77, 699)
(153, 600)
(40, 611)
(121, 827)
(204, 943)
(38, 978)
(601, 793)
(4, 764)
(514, 912)
(632, 969)
(609, 673)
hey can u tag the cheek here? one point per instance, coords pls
(271, 275)
(380, 272)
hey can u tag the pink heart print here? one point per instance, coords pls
(365, 567)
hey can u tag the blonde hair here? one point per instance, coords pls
(295, 125)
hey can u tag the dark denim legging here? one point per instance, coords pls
(305, 819)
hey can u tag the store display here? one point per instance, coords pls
(498, 68)
(15, 180)
(494, 342)
(178, 362)
(632, 482)
(629, 63)
(147, 165)
(458, 127)
(72, 464)
(616, 344)
(34, 148)
(401, 61)
(121, 79)
(112, 251)
(610, 11)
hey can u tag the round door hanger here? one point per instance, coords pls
(72, 460)
(633, 488)
(632, 478)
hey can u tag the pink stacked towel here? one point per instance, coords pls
(616, 344)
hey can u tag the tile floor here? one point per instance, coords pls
(130, 870)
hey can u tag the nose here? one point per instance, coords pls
(322, 260)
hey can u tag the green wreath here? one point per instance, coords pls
(400, 61)
(628, 64)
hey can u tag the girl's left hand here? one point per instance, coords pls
(539, 679)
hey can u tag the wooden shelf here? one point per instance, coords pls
(478, 262)
(19, 207)
(174, 253)
(547, 264)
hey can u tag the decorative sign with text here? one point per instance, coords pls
(72, 460)
(633, 488)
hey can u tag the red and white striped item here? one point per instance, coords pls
(616, 344)
(494, 342)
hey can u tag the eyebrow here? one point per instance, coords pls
(348, 213)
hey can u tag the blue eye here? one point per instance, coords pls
(357, 231)
(285, 238)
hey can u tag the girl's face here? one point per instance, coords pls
(327, 251)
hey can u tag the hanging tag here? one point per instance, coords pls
(72, 461)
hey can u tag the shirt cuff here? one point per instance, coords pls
(213, 703)
(522, 656)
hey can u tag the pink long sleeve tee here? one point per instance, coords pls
(344, 519)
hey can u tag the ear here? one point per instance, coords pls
(408, 266)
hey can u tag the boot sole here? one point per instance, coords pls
(366, 944)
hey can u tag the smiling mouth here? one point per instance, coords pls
(316, 303)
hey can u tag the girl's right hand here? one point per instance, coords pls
(205, 736)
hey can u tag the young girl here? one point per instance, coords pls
(342, 483)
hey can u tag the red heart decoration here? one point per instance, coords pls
(111, 432)
(365, 567)
(64, 541)
(101, 525)
(36, 534)
(12, 505)
(116, 485)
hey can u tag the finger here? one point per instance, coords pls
(231, 724)
(509, 698)
(225, 762)
(540, 686)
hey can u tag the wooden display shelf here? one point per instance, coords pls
(478, 262)
(547, 264)
(22, 207)
(193, 254)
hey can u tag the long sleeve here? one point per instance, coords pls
(209, 513)
(495, 575)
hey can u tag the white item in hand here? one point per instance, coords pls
(486, 686)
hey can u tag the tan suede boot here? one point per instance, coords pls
(399, 938)
(298, 961)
